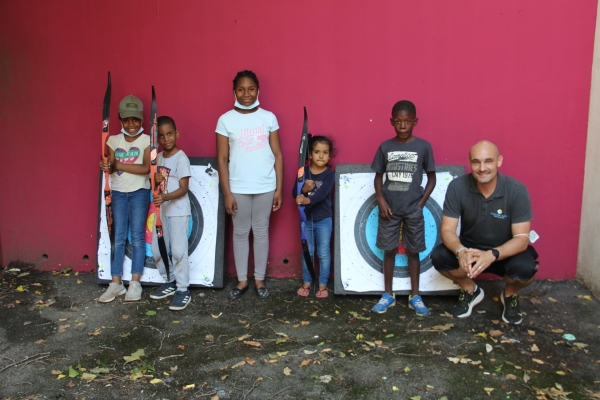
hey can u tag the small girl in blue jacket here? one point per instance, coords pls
(316, 197)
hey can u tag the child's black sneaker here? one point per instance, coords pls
(512, 309)
(167, 289)
(466, 302)
(181, 300)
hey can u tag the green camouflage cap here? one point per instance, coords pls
(131, 106)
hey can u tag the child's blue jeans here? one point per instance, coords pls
(129, 212)
(321, 231)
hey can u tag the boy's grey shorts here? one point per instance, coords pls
(413, 232)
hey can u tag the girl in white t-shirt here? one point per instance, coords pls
(251, 175)
(129, 165)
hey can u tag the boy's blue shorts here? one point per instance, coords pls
(413, 232)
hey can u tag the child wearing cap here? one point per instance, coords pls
(129, 165)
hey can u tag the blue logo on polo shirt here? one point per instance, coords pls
(498, 214)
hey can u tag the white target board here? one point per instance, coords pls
(205, 232)
(358, 261)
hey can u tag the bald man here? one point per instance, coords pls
(495, 220)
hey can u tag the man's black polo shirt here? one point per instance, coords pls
(486, 223)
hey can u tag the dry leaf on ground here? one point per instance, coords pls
(592, 395)
(88, 377)
(440, 328)
(95, 333)
(134, 356)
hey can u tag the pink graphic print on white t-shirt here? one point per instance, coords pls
(252, 139)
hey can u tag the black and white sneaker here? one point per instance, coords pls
(181, 300)
(466, 302)
(512, 309)
(166, 290)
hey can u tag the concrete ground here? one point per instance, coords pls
(57, 341)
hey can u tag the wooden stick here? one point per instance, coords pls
(174, 355)
(285, 388)
(27, 360)
(254, 385)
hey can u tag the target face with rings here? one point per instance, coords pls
(206, 232)
(358, 261)
(365, 236)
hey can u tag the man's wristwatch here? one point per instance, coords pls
(496, 253)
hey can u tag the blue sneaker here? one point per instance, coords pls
(180, 300)
(384, 303)
(416, 303)
(167, 289)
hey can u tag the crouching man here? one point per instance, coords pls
(495, 215)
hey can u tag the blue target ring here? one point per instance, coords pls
(365, 234)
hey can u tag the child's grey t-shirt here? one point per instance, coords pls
(179, 164)
(403, 165)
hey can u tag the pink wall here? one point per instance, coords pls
(514, 72)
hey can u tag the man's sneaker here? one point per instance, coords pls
(180, 300)
(384, 303)
(114, 290)
(134, 291)
(416, 303)
(167, 289)
(466, 302)
(512, 309)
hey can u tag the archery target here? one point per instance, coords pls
(358, 262)
(205, 232)
(365, 236)
(195, 229)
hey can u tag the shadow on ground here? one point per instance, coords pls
(56, 341)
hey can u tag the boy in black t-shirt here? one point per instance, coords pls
(401, 199)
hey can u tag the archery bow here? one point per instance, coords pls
(107, 193)
(155, 190)
(299, 184)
